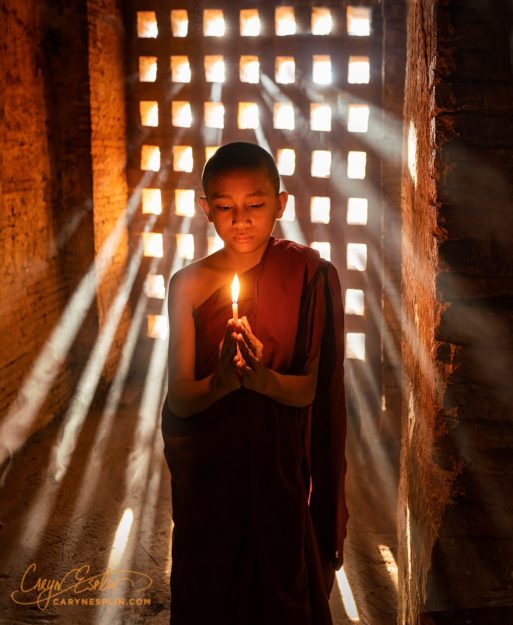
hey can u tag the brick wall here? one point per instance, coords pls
(50, 193)
(456, 474)
(108, 149)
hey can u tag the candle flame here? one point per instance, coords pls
(235, 289)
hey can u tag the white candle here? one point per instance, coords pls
(235, 297)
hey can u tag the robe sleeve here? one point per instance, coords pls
(328, 421)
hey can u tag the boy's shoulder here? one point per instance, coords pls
(197, 278)
(297, 251)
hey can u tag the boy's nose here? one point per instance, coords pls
(240, 216)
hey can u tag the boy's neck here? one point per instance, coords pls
(241, 263)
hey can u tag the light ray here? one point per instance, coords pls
(39, 511)
(19, 422)
(390, 563)
(121, 539)
(347, 596)
(291, 229)
(88, 484)
(75, 415)
(140, 461)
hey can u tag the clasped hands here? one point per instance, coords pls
(240, 358)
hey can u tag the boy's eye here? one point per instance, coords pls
(223, 208)
(256, 205)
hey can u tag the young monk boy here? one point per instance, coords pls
(254, 420)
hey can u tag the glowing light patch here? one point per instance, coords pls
(147, 27)
(322, 22)
(154, 286)
(289, 214)
(285, 21)
(356, 256)
(249, 23)
(149, 112)
(411, 149)
(210, 150)
(181, 114)
(158, 327)
(249, 69)
(213, 23)
(320, 208)
(345, 590)
(147, 68)
(355, 345)
(214, 115)
(358, 20)
(248, 116)
(182, 158)
(283, 116)
(356, 165)
(409, 548)
(323, 247)
(180, 69)
(153, 244)
(358, 118)
(321, 69)
(357, 208)
(358, 70)
(286, 161)
(185, 202)
(121, 538)
(285, 70)
(179, 23)
(214, 243)
(354, 303)
(151, 201)
(214, 68)
(185, 246)
(321, 163)
(390, 563)
(320, 117)
(150, 158)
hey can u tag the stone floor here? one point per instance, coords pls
(61, 514)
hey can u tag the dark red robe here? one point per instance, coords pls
(258, 487)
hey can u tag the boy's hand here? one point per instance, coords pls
(256, 346)
(255, 375)
(226, 375)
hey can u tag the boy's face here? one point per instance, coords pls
(243, 206)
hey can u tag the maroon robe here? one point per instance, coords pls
(258, 487)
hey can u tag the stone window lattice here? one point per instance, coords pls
(304, 82)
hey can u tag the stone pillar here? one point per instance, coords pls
(456, 508)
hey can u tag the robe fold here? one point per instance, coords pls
(258, 499)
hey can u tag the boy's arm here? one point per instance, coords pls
(291, 390)
(186, 395)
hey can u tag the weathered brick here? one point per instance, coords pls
(63, 92)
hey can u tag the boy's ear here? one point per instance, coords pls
(205, 208)
(282, 200)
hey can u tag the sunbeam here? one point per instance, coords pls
(390, 563)
(77, 411)
(121, 538)
(99, 450)
(347, 596)
(19, 421)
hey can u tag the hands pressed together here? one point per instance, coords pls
(240, 359)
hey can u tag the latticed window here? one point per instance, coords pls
(302, 80)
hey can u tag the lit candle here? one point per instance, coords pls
(235, 297)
